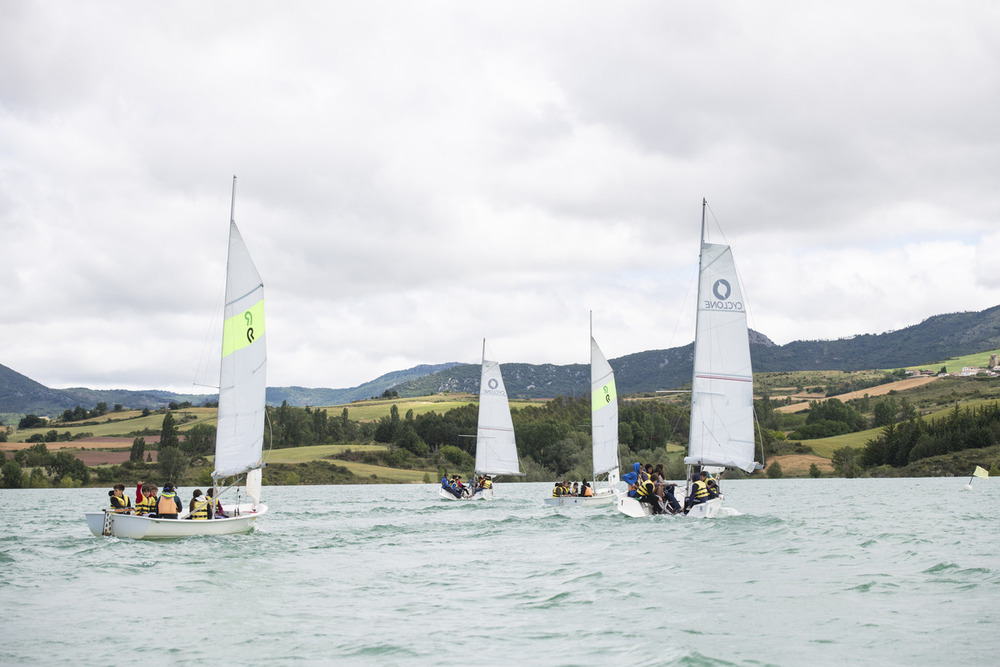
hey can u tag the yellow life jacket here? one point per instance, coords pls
(122, 504)
(200, 510)
(699, 490)
(487, 483)
(644, 489)
(147, 505)
(167, 503)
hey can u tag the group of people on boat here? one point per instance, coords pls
(648, 485)
(455, 486)
(154, 503)
(581, 490)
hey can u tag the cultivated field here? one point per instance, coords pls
(373, 410)
(878, 390)
(120, 424)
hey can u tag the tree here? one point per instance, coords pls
(31, 421)
(845, 461)
(138, 449)
(814, 470)
(168, 432)
(172, 462)
(774, 471)
(11, 475)
(199, 440)
(65, 465)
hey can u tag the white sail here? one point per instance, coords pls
(496, 451)
(604, 412)
(242, 384)
(722, 386)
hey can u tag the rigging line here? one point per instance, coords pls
(677, 319)
(739, 277)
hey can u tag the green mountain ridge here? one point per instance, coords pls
(934, 340)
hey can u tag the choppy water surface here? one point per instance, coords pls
(813, 571)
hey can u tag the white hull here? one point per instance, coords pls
(482, 494)
(633, 508)
(146, 528)
(597, 499)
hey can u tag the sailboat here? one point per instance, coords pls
(496, 449)
(240, 431)
(722, 425)
(603, 431)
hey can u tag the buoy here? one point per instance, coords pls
(967, 487)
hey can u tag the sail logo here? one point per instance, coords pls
(722, 290)
(493, 383)
(603, 396)
(243, 329)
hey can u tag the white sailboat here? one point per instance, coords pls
(496, 449)
(722, 425)
(603, 431)
(240, 431)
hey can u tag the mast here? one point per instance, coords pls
(697, 309)
(232, 208)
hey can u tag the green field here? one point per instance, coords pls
(373, 410)
(827, 446)
(315, 452)
(955, 364)
(293, 455)
(120, 424)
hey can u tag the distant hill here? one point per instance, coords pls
(935, 339)
(302, 396)
(22, 395)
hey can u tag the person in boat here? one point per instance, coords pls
(586, 490)
(487, 482)
(665, 490)
(198, 507)
(146, 506)
(632, 479)
(699, 493)
(576, 489)
(214, 511)
(645, 492)
(463, 490)
(448, 486)
(139, 493)
(557, 490)
(640, 474)
(711, 484)
(168, 505)
(120, 502)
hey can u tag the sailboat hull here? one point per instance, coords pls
(599, 498)
(633, 508)
(145, 528)
(482, 494)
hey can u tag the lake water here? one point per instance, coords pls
(830, 571)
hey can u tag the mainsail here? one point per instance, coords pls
(242, 382)
(604, 412)
(722, 431)
(496, 450)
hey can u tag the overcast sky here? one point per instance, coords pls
(415, 176)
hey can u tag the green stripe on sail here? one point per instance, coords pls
(242, 329)
(603, 396)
